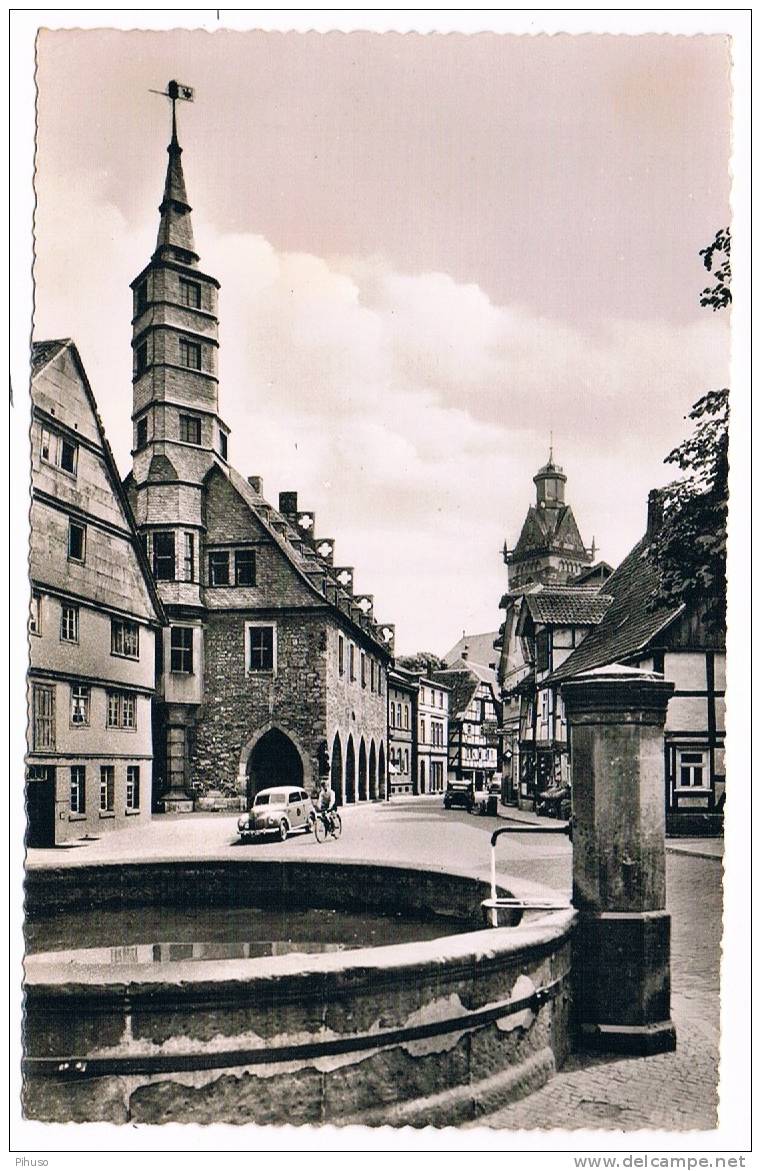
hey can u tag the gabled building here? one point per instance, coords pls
(550, 621)
(639, 631)
(94, 624)
(474, 722)
(273, 670)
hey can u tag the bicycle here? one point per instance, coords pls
(327, 823)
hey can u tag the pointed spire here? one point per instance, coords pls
(175, 238)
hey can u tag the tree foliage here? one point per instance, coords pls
(689, 548)
(716, 258)
(420, 662)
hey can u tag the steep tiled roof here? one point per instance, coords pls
(463, 684)
(480, 648)
(629, 623)
(543, 527)
(42, 352)
(572, 604)
(312, 568)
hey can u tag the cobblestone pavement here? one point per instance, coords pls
(673, 1091)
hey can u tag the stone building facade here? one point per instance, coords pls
(273, 670)
(95, 619)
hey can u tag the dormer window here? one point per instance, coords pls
(190, 294)
(190, 354)
(190, 429)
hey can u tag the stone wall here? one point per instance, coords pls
(241, 704)
(428, 1033)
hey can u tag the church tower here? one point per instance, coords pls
(549, 550)
(177, 430)
(178, 436)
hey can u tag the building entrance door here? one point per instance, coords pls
(40, 806)
(274, 761)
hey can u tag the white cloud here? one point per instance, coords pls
(409, 411)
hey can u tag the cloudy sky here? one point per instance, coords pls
(433, 251)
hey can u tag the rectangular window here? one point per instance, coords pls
(133, 787)
(76, 541)
(691, 770)
(77, 789)
(372, 674)
(80, 704)
(363, 669)
(340, 654)
(141, 358)
(406, 716)
(219, 568)
(422, 731)
(391, 719)
(163, 556)
(181, 645)
(69, 623)
(106, 788)
(223, 445)
(190, 294)
(190, 354)
(128, 710)
(245, 567)
(56, 449)
(189, 560)
(125, 638)
(43, 717)
(141, 297)
(35, 626)
(352, 675)
(261, 648)
(190, 429)
(141, 435)
(122, 710)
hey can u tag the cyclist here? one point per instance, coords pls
(326, 803)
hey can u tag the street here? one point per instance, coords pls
(672, 1091)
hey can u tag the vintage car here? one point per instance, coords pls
(279, 811)
(460, 792)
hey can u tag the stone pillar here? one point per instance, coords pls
(176, 798)
(623, 985)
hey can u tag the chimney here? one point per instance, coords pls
(289, 503)
(257, 483)
(654, 513)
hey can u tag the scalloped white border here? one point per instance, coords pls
(34, 1139)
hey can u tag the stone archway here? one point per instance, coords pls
(337, 771)
(272, 758)
(373, 773)
(362, 775)
(382, 773)
(350, 788)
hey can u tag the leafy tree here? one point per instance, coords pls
(690, 547)
(716, 260)
(421, 662)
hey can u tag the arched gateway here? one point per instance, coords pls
(273, 759)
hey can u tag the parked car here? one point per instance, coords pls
(460, 793)
(489, 800)
(555, 802)
(279, 811)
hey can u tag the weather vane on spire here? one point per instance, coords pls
(176, 93)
